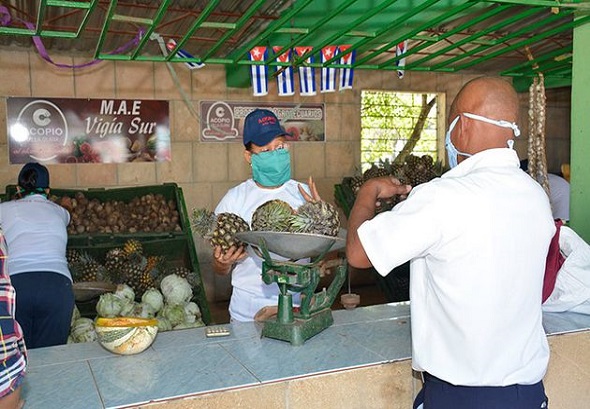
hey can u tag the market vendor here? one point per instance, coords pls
(36, 236)
(477, 239)
(268, 154)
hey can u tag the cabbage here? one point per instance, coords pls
(83, 330)
(163, 324)
(143, 310)
(173, 313)
(191, 312)
(109, 305)
(75, 315)
(154, 299)
(176, 290)
(124, 292)
(127, 308)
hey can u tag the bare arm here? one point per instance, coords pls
(363, 210)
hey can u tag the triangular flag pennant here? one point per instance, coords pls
(259, 73)
(328, 74)
(171, 44)
(346, 74)
(400, 49)
(306, 74)
(285, 80)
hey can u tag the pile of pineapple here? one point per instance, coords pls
(316, 217)
(413, 170)
(147, 213)
(127, 264)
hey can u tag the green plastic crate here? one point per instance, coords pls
(178, 246)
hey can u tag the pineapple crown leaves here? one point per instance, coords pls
(203, 222)
(318, 217)
(273, 215)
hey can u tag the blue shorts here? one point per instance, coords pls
(438, 394)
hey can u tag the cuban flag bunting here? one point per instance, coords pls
(285, 80)
(328, 74)
(171, 44)
(346, 74)
(306, 74)
(259, 73)
(400, 49)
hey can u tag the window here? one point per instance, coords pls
(388, 120)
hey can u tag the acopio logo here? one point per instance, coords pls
(42, 123)
(41, 117)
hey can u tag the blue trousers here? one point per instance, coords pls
(438, 394)
(44, 307)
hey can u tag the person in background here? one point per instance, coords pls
(267, 152)
(559, 193)
(477, 239)
(36, 237)
(13, 353)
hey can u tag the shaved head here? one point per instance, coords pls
(491, 97)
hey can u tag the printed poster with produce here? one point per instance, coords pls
(223, 121)
(67, 130)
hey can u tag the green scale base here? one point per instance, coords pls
(300, 330)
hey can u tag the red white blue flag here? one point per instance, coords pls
(285, 80)
(400, 49)
(259, 73)
(306, 74)
(171, 44)
(328, 83)
(346, 74)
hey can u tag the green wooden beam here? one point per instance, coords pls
(468, 39)
(580, 137)
(532, 40)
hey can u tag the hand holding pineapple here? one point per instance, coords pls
(223, 260)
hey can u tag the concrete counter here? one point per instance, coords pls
(362, 361)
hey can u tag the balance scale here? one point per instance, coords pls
(297, 325)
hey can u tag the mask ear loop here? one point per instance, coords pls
(498, 122)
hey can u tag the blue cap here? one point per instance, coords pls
(41, 175)
(261, 127)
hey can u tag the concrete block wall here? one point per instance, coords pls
(204, 170)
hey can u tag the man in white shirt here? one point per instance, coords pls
(477, 240)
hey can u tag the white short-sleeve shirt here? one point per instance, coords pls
(477, 239)
(250, 293)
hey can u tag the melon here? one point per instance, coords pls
(126, 335)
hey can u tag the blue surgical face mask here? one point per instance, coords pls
(453, 153)
(271, 168)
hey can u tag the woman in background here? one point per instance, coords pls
(36, 237)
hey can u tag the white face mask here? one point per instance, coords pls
(452, 152)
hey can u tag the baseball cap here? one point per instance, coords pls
(262, 126)
(41, 175)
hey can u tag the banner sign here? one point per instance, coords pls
(223, 121)
(66, 130)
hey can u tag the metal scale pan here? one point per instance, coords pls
(294, 246)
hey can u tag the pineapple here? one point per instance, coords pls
(375, 172)
(132, 246)
(316, 218)
(114, 262)
(73, 256)
(273, 215)
(136, 275)
(87, 269)
(219, 229)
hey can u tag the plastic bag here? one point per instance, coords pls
(572, 286)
